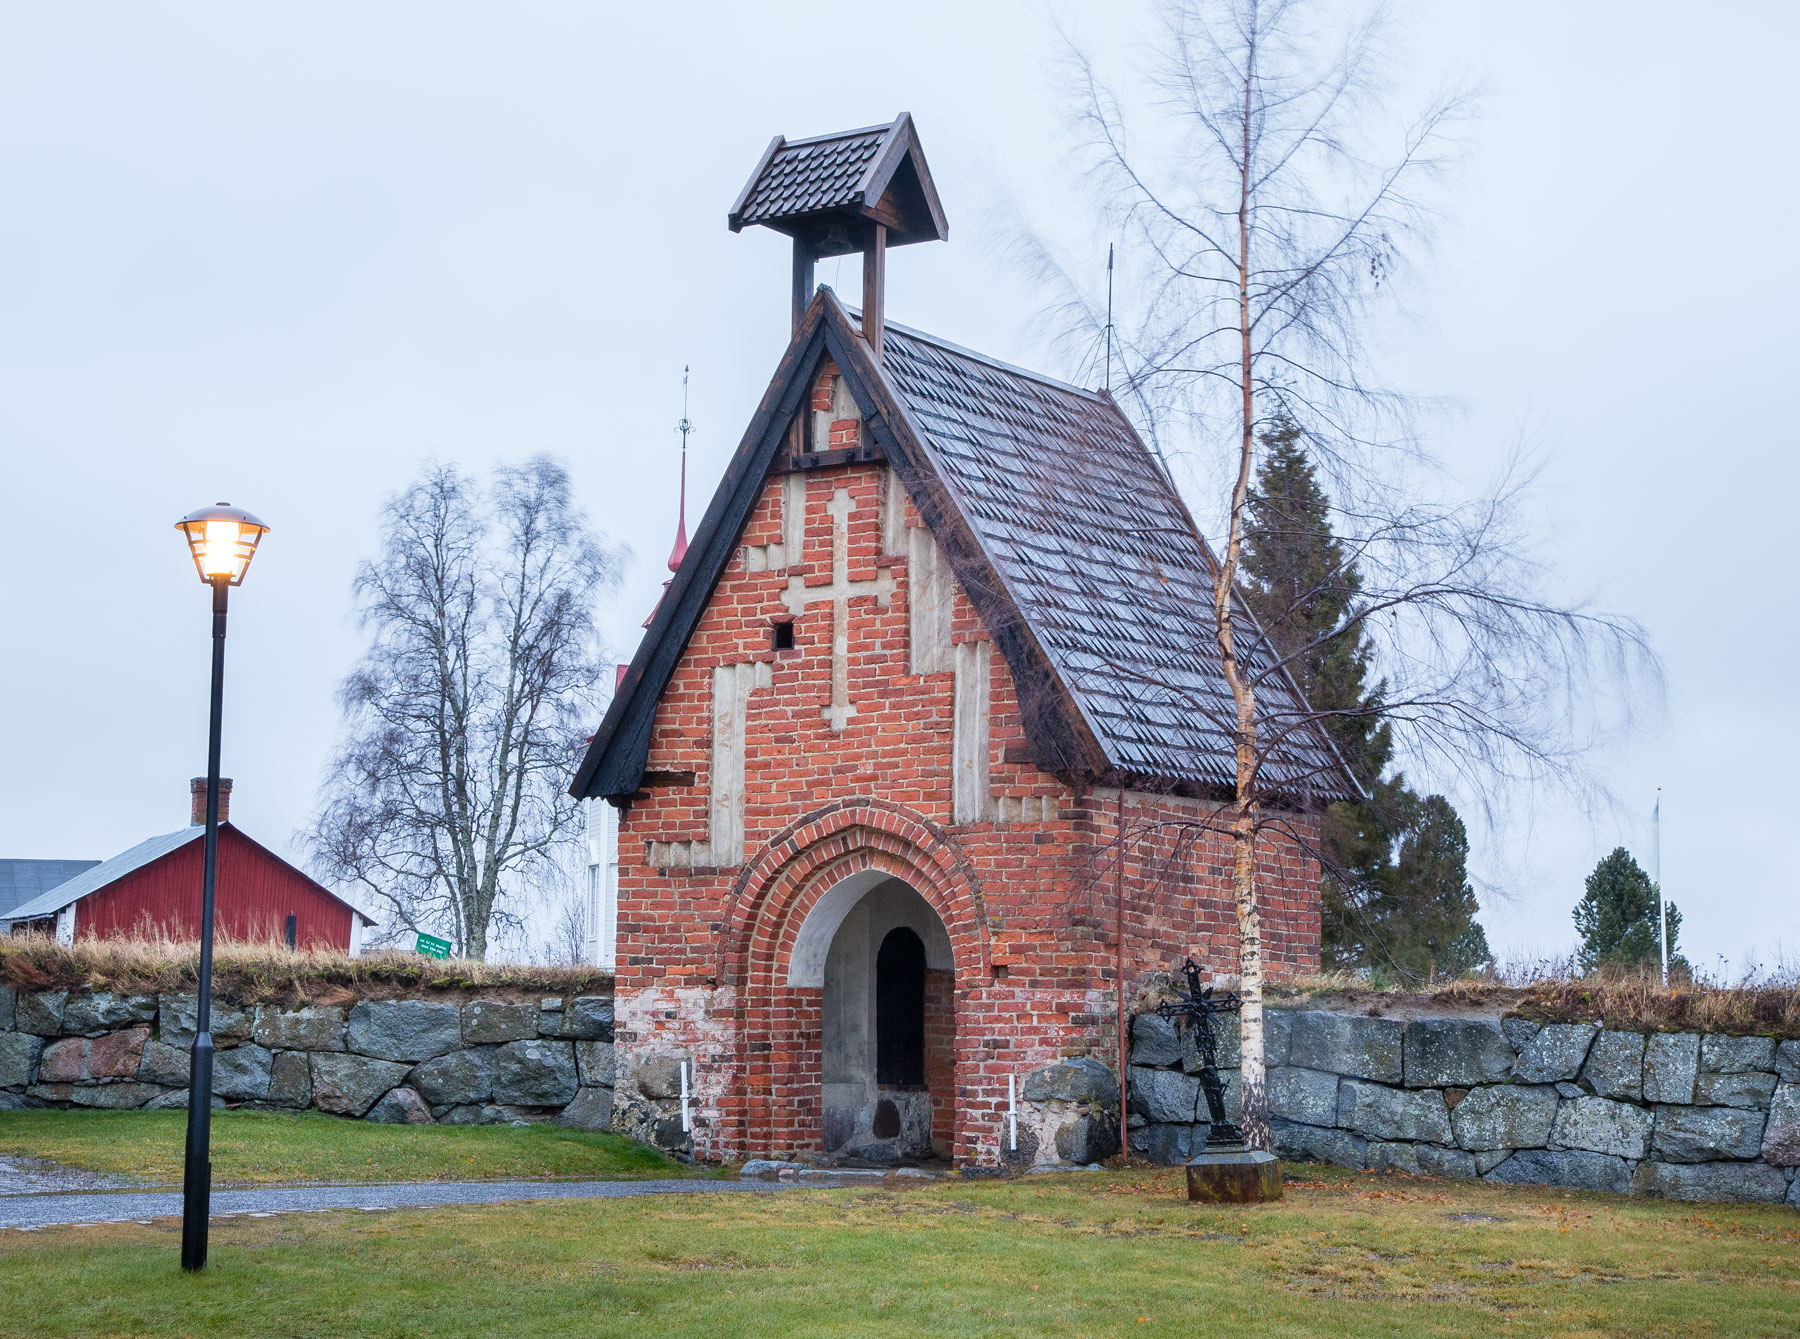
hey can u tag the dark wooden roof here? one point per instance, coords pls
(1102, 560)
(853, 178)
(1071, 542)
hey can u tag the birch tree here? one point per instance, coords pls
(446, 798)
(1270, 205)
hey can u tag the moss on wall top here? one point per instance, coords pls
(265, 974)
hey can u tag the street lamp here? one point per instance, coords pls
(222, 540)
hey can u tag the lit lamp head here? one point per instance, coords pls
(223, 539)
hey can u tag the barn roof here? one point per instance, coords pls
(145, 853)
(93, 879)
(1071, 542)
(22, 880)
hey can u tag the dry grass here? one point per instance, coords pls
(1629, 1001)
(1639, 1002)
(262, 973)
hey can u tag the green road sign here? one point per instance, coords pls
(433, 947)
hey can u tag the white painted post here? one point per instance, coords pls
(1012, 1113)
(1662, 905)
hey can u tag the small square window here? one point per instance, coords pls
(783, 639)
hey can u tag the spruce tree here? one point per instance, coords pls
(1617, 917)
(1430, 895)
(1395, 893)
(1301, 585)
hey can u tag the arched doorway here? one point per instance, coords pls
(886, 1022)
(900, 1010)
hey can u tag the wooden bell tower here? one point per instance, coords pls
(858, 190)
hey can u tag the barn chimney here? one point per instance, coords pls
(855, 191)
(197, 798)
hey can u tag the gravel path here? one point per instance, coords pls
(30, 1211)
(20, 1175)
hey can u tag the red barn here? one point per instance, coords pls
(154, 888)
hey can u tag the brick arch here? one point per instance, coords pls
(840, 839)
(778, 1056)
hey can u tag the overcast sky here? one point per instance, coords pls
(279, 254)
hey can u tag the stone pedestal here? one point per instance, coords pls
(1238, 1177)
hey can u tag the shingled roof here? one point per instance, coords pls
(808, 175)
(1094, 547)
(855, 177)
(1070, 540)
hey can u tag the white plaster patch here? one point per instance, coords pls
(839, 709)
(930, 605)
(694, 1023)
(791, 549)
(1026, 809)
(679, 855)
(843, 406)
(732, 686)
(969, 762)
(893, 515)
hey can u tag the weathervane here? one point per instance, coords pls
(679, 552)
(1106, 385)
(684, 428)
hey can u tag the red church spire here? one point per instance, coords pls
(679, 552)
(684, 427)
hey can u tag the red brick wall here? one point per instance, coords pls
(940, 1055)
(1029, 906)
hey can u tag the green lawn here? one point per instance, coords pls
(255, 1147)
(1344, 1255)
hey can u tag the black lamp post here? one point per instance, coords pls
(222, 540)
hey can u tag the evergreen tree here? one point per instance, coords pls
(1617, 917)
(1301, 586)
(1396, 893)
(1430, 895)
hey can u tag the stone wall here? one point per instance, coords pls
(1678, 1115)
(469, 1060)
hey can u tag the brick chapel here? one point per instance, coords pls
(856, 805)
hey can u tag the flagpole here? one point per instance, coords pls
(1662, 905)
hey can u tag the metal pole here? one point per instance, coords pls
(1119, 974)
(1107, 383)
(1662, 906)
(196, 1182)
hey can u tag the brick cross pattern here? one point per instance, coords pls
(838, 711)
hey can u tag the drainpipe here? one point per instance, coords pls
(686, 1124)
(1119, 976)
(1012, 1113)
